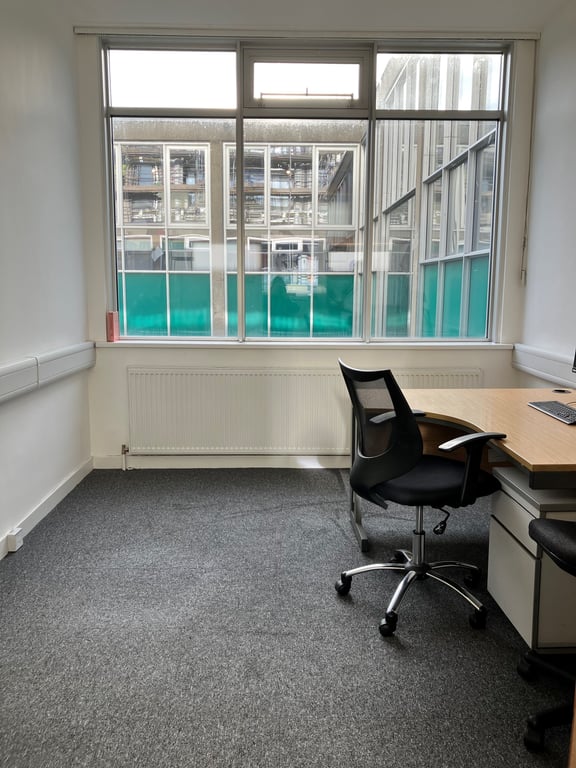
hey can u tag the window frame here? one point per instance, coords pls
(320, 111)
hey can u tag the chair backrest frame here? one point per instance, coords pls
(389, 442)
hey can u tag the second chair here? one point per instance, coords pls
(390, 465)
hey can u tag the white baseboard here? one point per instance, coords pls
(222, 461)
(48, 503)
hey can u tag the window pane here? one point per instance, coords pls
(478, 297)
(457, 181)
(176, 79)
(301, 80)
(452, 299)
(302, 228)
(429, 299)
(438, 81)
(168, 164)
(434, 221)
(145, 305)
(484, 197)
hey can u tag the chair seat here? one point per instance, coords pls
(558, 539)
(435, 481)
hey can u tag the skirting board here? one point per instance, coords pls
(222, 462)
(48, 503)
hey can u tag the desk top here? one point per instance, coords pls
(535, 440)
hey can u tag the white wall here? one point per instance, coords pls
(549, 329)
(44, 435)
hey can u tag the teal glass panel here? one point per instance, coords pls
(190, 305)
(289, 307)
(397, 305)
(478, 298)
(232, 304)
(146, 304)
(452, 299)
(256, 301)
(333, 306)
(429, 299)
(121, 310)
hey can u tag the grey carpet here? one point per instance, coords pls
(165, 619)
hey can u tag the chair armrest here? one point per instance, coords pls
(389, 415)
(474, 445)
(469, 441)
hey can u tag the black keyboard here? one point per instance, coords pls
(557, 410)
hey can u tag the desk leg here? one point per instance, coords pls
(355, 511)
(572, 758)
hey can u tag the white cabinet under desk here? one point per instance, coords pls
(537, 597)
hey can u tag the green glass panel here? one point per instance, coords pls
(333, 306)
(478, 298)
(121, 316)
(289, 307)
(429, 299)
(146, 304)
(256, 301)
(452, 299)
(397, 305)
(232, 304)
(190, 305)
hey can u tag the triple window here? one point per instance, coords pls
(304, 192)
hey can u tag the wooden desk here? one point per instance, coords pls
(540, 444)
(540, 481)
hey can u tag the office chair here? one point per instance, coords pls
(389, 465)
(557, 538)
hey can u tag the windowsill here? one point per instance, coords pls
(429, 346)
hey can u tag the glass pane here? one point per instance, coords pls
(190, 313)
(484, 197)
(146, 305)
(429, 299)
(188, 251)
(302, 80)
(188, 189)
(306, 231)
(172, 160)
(142, 186)
(397, 305)
(156, 79)
(478, 297)
(458, 179)
(452, 299)
(335, 186)
(438, 81)
(392, 271)
(434, 220)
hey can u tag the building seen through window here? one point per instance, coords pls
(310, 222)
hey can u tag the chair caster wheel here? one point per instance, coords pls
(343, 585)
(478, 619)
(534, 739)
(388, 624)
(526, 670)
(472, 579)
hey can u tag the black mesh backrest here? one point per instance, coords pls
(389, 441)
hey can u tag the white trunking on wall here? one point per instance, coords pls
(536, 596)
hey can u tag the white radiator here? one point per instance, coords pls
(184, 411)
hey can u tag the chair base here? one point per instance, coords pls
(415, 568)
(539, 722)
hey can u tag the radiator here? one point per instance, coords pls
(184, 411)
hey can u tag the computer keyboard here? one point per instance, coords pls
(556, 409)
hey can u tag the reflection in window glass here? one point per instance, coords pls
(438, 81)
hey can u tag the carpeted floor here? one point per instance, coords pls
(188, 618)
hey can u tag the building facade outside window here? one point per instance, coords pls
(351, 194)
